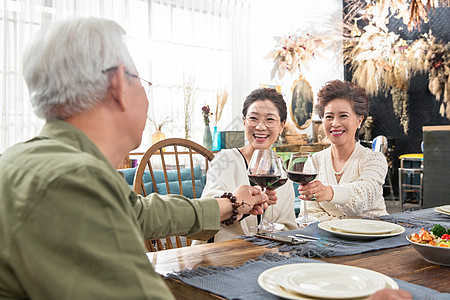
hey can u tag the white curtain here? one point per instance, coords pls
(204, 42)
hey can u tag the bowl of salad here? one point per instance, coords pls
(433, 245)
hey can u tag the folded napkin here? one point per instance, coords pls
(330, 245)
(242, 282)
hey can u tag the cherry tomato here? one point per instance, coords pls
(445, 236)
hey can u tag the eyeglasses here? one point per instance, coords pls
(254, 121)
(145, 83)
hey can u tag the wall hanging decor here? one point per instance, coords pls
(292, 51)
(302, 103)
(382, 62)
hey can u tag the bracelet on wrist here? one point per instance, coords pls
(235, 211)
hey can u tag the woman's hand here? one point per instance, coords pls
(272, 197)
(316, 191)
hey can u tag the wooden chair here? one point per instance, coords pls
(165, 150)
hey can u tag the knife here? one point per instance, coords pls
(281, 238)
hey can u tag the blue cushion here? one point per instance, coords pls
(172, 176)
(129, 175)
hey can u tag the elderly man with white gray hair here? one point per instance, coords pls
(70, 225)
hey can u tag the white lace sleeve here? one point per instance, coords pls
(365, 185)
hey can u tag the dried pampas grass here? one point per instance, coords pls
(222, 97)
(388, 64)
(400, 103)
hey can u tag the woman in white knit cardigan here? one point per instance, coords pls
(350, 176)
(264, 114)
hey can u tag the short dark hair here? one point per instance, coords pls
(337, 89)
(266, 94)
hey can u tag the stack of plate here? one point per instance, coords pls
(323, 280)
(361, 229)
(443, 209)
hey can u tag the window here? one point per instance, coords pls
(170, 41)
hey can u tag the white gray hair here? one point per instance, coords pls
(63, 65)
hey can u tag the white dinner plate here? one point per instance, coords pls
(359, 236)
(445, 208)
(268, 279)
(331, 281)
(363, 226)
(440, 210)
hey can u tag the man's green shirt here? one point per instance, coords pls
(71, 228)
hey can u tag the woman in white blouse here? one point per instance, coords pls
(350, 176)
(264, 114)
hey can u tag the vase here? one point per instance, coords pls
(207, 138)
(216, 140)
(157, 136)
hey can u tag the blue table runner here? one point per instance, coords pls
(242, 282)
(331, 245)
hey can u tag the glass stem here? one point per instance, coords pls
(305, 212)
(264, 212)
(272, 214)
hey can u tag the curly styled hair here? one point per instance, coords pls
(337, 89)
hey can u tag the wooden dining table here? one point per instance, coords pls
(403, 263)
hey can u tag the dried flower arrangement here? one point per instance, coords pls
(188, 93)
(290, 51)
(366, 129)
(222, 97)
(159, 124)
(381, 61)
(413, 12)
(206, 112)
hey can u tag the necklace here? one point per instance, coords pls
(346, 162)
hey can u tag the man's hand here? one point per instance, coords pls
(253, 196)
(252, 201)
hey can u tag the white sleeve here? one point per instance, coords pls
(315, 210)
(362, 194)
(221, 176)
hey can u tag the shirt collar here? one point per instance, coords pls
(68, 134)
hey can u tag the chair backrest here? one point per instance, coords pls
(380, 144)
(165, 159)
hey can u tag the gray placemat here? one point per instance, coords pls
(242, 282)
(330, 245)
(425, 218)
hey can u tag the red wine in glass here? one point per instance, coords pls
(264, 170)
(265, 181)
(276, 184)
(302, 171)
(301, 177)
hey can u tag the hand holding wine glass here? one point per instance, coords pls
(264, 170)
(302, 171)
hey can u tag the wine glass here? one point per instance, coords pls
(264, 170)
(272, 186)
(302, 172)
